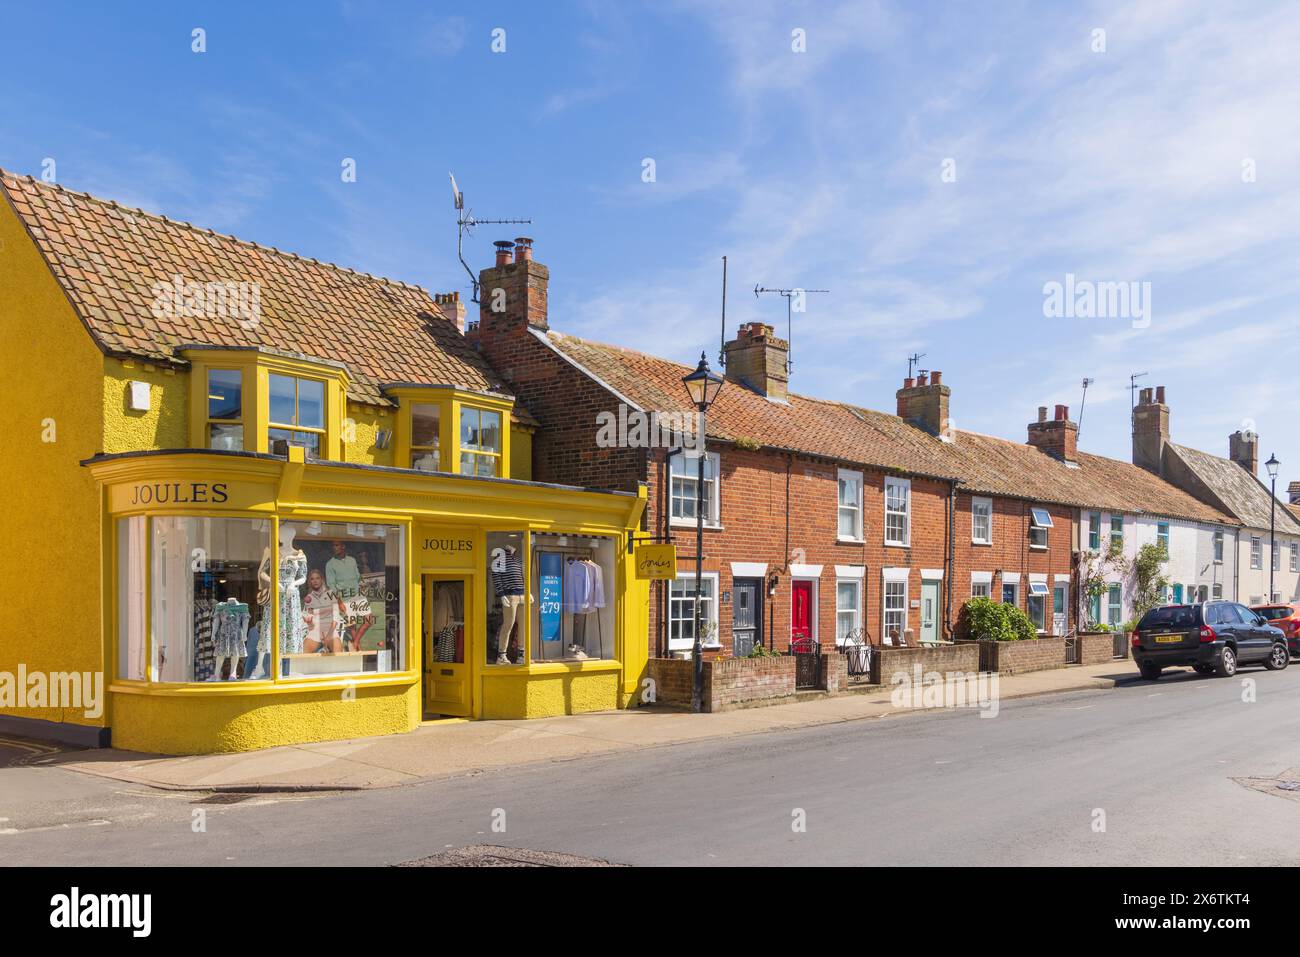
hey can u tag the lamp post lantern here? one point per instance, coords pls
(702, 386)
(1272, 465)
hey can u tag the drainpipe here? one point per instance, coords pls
(952, 557)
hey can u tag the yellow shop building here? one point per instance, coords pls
(271, 500)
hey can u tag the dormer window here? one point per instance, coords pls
(480, 441)
(225, 422)
(297, 412)
(426, 436)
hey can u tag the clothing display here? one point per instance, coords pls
(446, 645)
(584, 587)
(510, 608)
(321, 607)
(230, 630)
(507, 572)
(342, 576)
(205, 652)
(293, 629)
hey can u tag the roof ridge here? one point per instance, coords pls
(136, 210)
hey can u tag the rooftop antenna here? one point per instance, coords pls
(1086, 383)
(722, 343)
(789, 295)
(913, 360)
(1132, 392)
(465, 223)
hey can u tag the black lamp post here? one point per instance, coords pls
(1272, 466)
(702, 386)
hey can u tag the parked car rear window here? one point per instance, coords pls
(1172, 616)
(1275, 611)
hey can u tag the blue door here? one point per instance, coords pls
(1178, 594)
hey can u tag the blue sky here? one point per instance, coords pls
(821, 168)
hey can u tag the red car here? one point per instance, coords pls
(1286, 617)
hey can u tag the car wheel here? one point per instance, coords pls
(1149, 671)
(1227, 666)
(1278, 658)
(1203, 669)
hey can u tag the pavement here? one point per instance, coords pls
(459, 747)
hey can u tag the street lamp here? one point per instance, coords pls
(702, 386)
(1272, 466)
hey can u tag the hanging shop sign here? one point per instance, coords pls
(656, 561)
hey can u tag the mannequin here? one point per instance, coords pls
(508, 581)
(230, 632)
(292, 576)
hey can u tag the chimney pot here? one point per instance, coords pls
(1062, 413)
(1042, 413)
(503, 251)
(922, 379)
(523, 249)
(936, 377)
(1160, 394)
(909, 383)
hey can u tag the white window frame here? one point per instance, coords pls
(1256, 552)
(893, 576)
(976, 503)
(906, 511)
(680, 644)
(714, 504)
(1216, 591)
(856, 609)
(1218, 548)
(1036, 526)
(848, 475)
(1295, 557)
(984, 580)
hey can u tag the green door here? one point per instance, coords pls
(929, 612)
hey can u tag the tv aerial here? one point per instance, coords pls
(789, 295)
(465, 223)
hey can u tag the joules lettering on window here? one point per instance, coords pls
(180, 493)
(448, 545)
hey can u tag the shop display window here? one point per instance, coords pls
(209, 608)
(507, 597)
(131, 571)
(340, 588)
(572, 580)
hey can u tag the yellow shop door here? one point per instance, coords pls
(447, 635)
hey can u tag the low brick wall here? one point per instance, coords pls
(963, 657)
(833, 676)
(1018, 657)
(1097, 648)
(729, 683)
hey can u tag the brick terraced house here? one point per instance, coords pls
(821, 518)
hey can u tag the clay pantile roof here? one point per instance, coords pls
(1241, 493)
(865, 437)
(114, 262)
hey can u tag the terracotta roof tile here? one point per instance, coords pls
(865, 437)
(108, 259)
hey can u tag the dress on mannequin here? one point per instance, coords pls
(293, 573)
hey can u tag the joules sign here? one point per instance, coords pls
(446, 548)
(178, 493)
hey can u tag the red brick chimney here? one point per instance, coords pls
(451, 308)
(512, 294)
(1243, 448)
(924, 402)
(1057, 436)
(1150, 430)
(757, 359)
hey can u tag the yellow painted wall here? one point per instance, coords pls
(166, 423)
(544, 696)
(208, 723)
(50, 562)
(521, 454)
(367, 420)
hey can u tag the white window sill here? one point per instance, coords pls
(897, 545)
(981, 541)
(1038, 548)
(850, 541)
(690, 523)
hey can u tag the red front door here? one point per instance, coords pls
(800, 611)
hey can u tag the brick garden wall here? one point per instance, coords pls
(886, 662)
(1018, 657)
(729, 683)
(1097, 648)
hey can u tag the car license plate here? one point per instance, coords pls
(1168, 639)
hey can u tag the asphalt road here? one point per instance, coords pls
(1155, 763)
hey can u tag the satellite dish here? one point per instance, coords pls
(456, 195)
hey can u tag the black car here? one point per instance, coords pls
(1214, 637)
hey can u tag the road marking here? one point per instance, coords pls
(8, 831)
